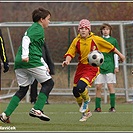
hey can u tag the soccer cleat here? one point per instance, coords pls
(39, 114)
(4, 118)
(98, 110)
(112, 109)
(84, 106)
(85, 116)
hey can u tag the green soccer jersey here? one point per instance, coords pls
(109, 65)
(36, 34)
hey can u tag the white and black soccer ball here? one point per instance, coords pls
(95, 58)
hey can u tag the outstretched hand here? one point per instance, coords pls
(65, 63)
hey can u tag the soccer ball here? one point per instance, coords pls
(95, 58)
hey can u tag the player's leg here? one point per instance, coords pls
(22, 76)
(98, 98)
(43, 94)
(33, 92)
(81, 87)
(83, 92)
(36, 111)
(79, 94)
(43, 77)
(84, 76)
(98, 85)
(112, 97)
(19, 95)
(111, 80)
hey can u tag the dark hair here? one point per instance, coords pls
(39, 13)
(104, 25)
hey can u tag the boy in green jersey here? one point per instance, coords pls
(29, 65)
(108, 70)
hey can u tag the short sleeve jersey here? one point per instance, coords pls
(84, 46)
(109, 65)
(36, 34)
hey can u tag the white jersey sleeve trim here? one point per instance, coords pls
(116, 60)
(25, 47)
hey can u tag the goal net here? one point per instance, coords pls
(58, 37)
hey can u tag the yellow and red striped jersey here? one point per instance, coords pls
(84, 46)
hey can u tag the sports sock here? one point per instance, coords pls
(12, 105)
(40, 101)
(112, 100)
(98, 102)
(79, 100)
(88, 110)
(85, 95)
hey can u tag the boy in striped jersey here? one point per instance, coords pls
(85, 74)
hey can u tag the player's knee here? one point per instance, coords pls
(81, 86)
(75, 92)
(47, 87)
(22, 92)
(98, 88)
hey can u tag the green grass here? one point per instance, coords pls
(65, 117)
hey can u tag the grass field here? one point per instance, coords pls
(65, 117)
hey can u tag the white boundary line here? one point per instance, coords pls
(78, 112)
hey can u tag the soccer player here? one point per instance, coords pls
(85, 74)
(3, 54)
(29, 65)
(108, 70)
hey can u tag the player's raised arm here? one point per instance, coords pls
(67, 61)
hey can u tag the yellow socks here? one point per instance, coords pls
(79, 100)
(85, 95)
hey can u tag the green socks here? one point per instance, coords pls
(15, 101)
(112, 100)
(98, 102)
(12, 105)
(40, 101)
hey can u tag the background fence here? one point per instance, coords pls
(58, 37)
